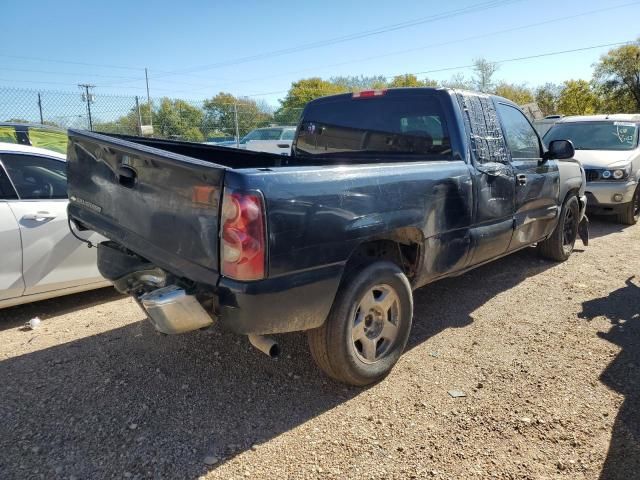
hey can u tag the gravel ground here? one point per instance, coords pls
(548, 356)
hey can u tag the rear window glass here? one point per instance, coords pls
(49, 139)
(8, 135)
(387, 125)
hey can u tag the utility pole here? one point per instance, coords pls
(139, 116)
(40, 109)
(146, 77)
(235, 115)
(88, 97)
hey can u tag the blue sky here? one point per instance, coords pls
(113, 41)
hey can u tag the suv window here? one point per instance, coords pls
(263, 134)
(288, 134)
(36, 177)
(394, 124)
(521, 137)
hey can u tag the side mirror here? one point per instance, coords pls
(559, 150)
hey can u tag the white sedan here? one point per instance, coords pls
(40, 258)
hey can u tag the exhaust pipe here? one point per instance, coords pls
(265, 344)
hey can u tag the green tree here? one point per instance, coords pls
(617, 76)
(484, 72)
(577, 98)
(518, 94)
(127, 124)
(410, 80)
(361, 82)
(178, 119)
(546, 96)
(220, 115)
(302, 92)
(458, 81)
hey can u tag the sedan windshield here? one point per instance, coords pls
(596, 135)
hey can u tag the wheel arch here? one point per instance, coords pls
(403, 247)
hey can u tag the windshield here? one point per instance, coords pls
(596, 135)
(399, 125)
(263, 134)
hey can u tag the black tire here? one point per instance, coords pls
(332, 345)
(630, 213)
(559, 245)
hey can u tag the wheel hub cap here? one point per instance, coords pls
(375, 326)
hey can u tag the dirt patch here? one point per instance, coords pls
(548, 356)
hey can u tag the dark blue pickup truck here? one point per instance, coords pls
(385, 191)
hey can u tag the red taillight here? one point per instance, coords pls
(369, 93)
(242, 236)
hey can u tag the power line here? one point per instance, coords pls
(517, 59)
(434, 45)
(343, 38)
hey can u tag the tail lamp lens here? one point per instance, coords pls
(242, 238)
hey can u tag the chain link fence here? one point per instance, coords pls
(221, 118)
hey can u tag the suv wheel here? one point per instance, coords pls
(368, 326)
(630, 213)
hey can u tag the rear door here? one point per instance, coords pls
(11, 282)
(537, 183)
(161, 205)
(493, 178)
(52, 259)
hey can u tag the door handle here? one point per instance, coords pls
(521, 179)
(283, 145)
(39, 216)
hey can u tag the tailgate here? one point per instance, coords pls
(161, 205)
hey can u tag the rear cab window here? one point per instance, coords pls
(389, 124)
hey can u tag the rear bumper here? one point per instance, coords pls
(601, 195)
(300, 301)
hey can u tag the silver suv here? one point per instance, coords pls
(607, 147)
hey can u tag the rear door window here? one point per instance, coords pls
(394, 124)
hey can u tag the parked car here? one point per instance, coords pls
(386, 191)
(40, 257)
(607, 146)
(36, 135)
(271, 139)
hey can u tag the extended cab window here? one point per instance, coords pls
(385, 124)
(521, 138)
(36, 177)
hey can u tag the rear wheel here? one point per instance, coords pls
(630, 213)
(368, 326)
(559, 245)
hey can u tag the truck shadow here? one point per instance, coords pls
(129, 400)
(13, 317)
(622, 308)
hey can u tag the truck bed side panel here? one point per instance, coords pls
(317, 216)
